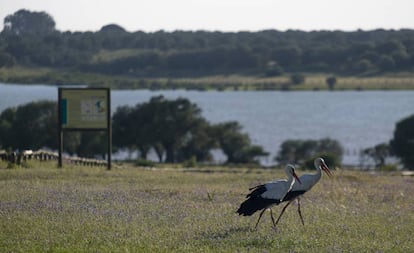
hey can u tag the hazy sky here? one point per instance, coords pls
(221, 15)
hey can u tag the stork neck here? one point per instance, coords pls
(319, 171)
(316, 177)
(290, 179)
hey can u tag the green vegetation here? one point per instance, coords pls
(303, 152)
(173, 129)
(378, 153)
(29, 75)
(203, 60)
(176, 132)
(130, 209)
(402, 144)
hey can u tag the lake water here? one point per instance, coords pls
(358, 119)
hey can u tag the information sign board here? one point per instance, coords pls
(84, 108)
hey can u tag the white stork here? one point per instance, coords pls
(307, 182)
(265, 195)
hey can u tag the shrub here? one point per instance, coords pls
(297, 79)
(389, 167)
(190, 163)
(331, 81)
(144, 163)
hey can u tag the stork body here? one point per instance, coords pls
(307, 182)
(265, 195)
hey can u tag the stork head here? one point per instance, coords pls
(320, 163)
(290, 170)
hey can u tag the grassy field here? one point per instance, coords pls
(400, 81)
(130, 209)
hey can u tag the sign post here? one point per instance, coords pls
(84, 109)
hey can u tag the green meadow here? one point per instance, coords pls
(18, 75)
(132, 209)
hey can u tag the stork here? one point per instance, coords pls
(263, 196)
(307, 182)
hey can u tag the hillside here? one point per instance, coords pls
(127, 58)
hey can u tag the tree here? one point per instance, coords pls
(92, 144)
(273, 69)
(7, 118)
(30, 38)
(378, 153)
(113, 28)
(331, 81)
(299, 151)
(236, 145)
(71, 142)
(200, 143)
(25, 22)
(173, 122)
(362, 66)
(34, 126)
(288, 152)
(297, 79)
(250, 154)
(386, 63)
(123, 129)
(402, 144)
(288, 57)
(6, 60)
(30, 126)
(172, 127)
(133, 129)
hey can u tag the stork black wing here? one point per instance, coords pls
(292, 195)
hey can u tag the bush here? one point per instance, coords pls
(297, 79)
(389, 167)
(331, 81)
(144, 163)
(190, 163)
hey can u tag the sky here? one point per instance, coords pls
(221, 15)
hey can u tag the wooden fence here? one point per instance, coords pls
(44, 155)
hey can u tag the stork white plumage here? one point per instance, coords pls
(307, 182)
(265, 195)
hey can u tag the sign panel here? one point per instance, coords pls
(84, 108)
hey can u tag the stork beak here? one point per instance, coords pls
(296, 177)
(326, 169)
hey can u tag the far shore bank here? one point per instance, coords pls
(19, 75)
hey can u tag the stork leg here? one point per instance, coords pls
(300, 213)
(260, 216)
(283, 210)
(273, 219)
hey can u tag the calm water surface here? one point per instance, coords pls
(358, 119)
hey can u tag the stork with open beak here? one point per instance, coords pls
(307, 182)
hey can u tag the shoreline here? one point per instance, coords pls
(234, 82)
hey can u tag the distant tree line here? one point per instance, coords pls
(31, 39)
(173, 129)
(176, 132)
